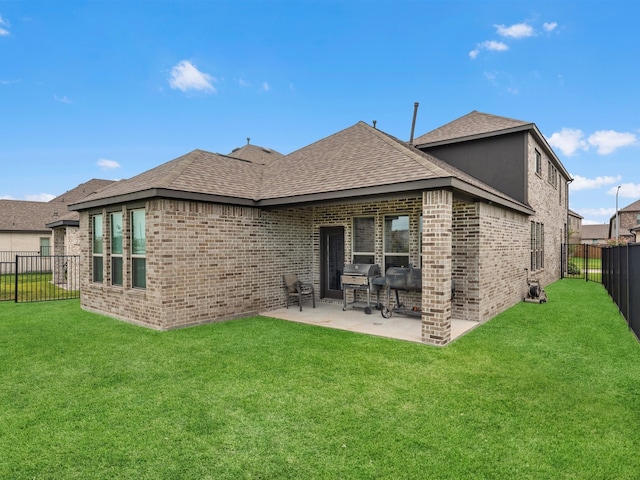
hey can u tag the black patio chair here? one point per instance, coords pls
(297, 291)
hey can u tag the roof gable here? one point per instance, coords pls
(634, 207)
(472, 125)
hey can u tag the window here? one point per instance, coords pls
(364, 241)
(116, 249)
(396, 241)
(138, 249)
(96, 248)
(552, 174)
(538, 163)
(45, 248)
(537, 246)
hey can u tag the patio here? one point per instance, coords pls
(330, 314)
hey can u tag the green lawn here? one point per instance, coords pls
(541, 391)
(33, 287)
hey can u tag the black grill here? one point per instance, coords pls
(360, 277)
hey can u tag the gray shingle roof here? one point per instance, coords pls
(82, 191)
(471, 125)
(634, 207)
(255, 154)
(595, 232)
(357, 157)
(24, 216)
(196, 172)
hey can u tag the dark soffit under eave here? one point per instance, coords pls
(63, 223)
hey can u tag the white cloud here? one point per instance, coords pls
(596, 212)
(494, 46)
(490, 45)
(549, 26)
(568, 140)
(107, 164)
(63, 99)
(185, 76)
(3, 31)
(39, 197)
(627, 190)
(519, 30)
(6, 197)
(265, 87)
(583, 183)
(607, 141)
(243, 83)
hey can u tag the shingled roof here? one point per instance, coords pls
(25, 216)
(255, 154)
(473, 125)
(356, 161)
(198, 174)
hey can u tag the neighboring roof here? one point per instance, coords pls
(25, 216)
(476, 125)
(595, 232)
(574, 214)
(82, 191)
(255, 154)
(356, 161)
(634, 207)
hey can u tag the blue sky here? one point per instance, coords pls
(109, 89)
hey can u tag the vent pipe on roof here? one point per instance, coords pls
(413, 123)
(248, 140)
(374, 123)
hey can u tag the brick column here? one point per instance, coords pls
(437, 215)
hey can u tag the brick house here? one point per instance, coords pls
(26, 226)
(629, 218)
(207, 237)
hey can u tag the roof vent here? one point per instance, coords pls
(235, 149)
(248, 140)
(266, 150)
(374, 123)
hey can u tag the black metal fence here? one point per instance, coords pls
(621, 278)
(582, 261)
(35, 278)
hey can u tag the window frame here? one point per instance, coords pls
(97, 254)
(386, 252)
(538, 163)
(537, 246)
(117, 263)
(138, 255)
(354, 240)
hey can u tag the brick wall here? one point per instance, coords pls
(205, 262)
(551, 209)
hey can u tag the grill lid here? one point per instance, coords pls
(364, 269)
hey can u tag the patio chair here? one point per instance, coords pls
(296, 291)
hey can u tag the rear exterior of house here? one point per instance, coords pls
(166, 249)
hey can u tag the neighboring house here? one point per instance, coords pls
(595, 234)
(207, 237)
(65, 224)
(629, 218)
(22, 225)
(575, 227)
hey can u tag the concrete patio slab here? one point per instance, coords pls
(330, 314)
